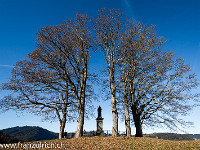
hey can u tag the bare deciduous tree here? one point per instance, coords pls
(159, 83)
(40, 90)
(108, 25)
(54, 75)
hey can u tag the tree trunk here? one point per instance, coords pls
(64, 118)
(115, 117)
(127, 117)
(63, 122)
(135, 112)
(79, 131)
(113, 97)
(138, 127)
(64, 113)
(137, 121)
(62, 128)
(127, 121)
(128, 127)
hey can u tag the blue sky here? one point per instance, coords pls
(176, 20)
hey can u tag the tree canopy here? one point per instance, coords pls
(153, 84)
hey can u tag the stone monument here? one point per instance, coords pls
(99, 120)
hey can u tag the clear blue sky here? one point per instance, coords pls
(176, 20)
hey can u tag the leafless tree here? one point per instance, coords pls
(53, 78)
(108, 25)
(38, 89)
(159, 83)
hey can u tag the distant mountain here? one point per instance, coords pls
(170, 136)
(6, 139)
(31, 133)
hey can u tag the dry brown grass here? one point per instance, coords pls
(125, 143)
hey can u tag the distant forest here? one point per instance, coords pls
(6, 139)
(29, 133)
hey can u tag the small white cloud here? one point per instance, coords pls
(7, 66)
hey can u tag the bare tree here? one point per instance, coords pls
(40, 90)
(108, 25)
(159, 83)
(55, 74)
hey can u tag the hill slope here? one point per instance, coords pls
(5, 139)
(29, 133)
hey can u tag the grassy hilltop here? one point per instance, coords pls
(125, 143)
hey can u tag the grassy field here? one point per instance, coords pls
(125, 143)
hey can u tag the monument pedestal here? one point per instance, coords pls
(99, 123)
(99, 126)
